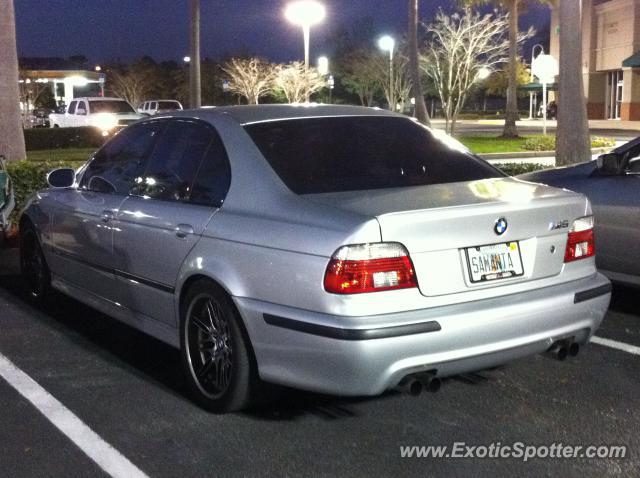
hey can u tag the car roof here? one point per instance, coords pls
(99, 98)
(249, 114)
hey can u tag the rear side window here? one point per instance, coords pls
(332, 154)
(175, 160)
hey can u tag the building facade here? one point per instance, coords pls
(610, 57)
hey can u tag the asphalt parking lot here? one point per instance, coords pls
(127, 389)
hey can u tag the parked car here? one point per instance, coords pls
(7, 201)
(612, 183)
(336, 249)
(107, 114)
(153, 107)
(37, 118)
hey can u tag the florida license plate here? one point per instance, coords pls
(495, 261)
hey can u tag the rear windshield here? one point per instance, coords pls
(168, 105)
(107, 106)
(323, 155)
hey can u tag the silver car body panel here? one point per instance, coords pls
(616, 204)
(269, 249)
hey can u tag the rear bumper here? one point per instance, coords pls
(341, 355)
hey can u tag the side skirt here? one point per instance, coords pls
(149, 326)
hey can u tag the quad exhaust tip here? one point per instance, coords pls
(562, 349)
(417, 383)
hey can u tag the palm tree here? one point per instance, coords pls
(573, 143)
(420, 107)
(194, 65)
(510, 129)
(11, 136)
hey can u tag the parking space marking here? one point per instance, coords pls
(614, 344)
(105, 456)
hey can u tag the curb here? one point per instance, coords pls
(535, 154)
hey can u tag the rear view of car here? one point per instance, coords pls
(335, 249)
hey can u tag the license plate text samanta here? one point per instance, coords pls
(495, 261)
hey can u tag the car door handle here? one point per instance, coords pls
(108, 215)
(183, 230)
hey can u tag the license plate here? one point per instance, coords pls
(494, 262)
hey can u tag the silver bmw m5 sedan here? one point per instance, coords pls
(336, 249)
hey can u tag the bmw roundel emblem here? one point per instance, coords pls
(500, 226)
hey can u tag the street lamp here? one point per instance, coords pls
(305, 13)
(484, 73)
(533, 51)
(323, 65)
(387, 43)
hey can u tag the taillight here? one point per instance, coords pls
(369, 268)
(580, 243)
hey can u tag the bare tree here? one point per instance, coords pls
(132, 84)
(30, 91)
(397, 91)
(297, 82)
(572, 144)
(420, 106)
(459, 48)
(11, 135)
(250, 78)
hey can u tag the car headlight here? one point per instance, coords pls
(105, 121)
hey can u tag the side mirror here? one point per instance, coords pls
(61, 178)
(609, 164)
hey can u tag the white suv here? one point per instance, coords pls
(153, 107)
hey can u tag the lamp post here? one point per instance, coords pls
(305, 13)
(533, 51)
(545, 67)
(387, 43)
(323, 69)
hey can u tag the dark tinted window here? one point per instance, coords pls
(175, 159)
(116, 166)
(168, 105)
(72, 107)
(317, 155)
(214, 176)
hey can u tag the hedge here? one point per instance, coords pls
(548, 143)
(29, 176)
(513, 169)
(57, 138)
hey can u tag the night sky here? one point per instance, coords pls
(104, 30)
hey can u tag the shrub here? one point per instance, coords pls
(548, 143)
(28, 177)
(602, 142)
(56, 138)
(540, 143)
(513, 169)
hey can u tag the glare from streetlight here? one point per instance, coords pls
(305, 12)
(484, 73)
(186, 59)
(323, 65)
(98, 68)
(386, 43)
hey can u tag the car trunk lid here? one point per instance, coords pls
(442, 225)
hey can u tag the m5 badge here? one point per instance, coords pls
(559, 225)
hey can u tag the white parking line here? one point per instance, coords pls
(105, 456)
(614, 344)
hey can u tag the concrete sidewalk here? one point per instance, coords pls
(552, 124)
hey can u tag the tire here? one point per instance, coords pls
(33, 265)
(215, 350)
